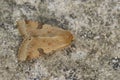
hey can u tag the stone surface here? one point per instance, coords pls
(94, 55)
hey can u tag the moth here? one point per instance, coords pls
(40, 39)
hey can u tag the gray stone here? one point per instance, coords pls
(93, 55)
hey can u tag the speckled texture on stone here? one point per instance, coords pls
(94, 55)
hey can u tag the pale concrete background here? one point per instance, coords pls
(94, 55)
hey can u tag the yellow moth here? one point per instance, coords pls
(40, 38)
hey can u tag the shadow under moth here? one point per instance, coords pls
(40, 38)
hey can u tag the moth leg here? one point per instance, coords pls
(22, 27)
(23, 50)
